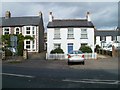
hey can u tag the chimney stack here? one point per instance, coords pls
(40, 14)
(88, 16)
(50, 17)
(7, 15)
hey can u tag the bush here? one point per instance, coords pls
(97, 47)
(86, 49)
(7, 52)
(57, 50)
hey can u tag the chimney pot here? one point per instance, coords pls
(88, 16)
(51, 17)
(7, 14)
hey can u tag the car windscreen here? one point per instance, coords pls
(75, 52)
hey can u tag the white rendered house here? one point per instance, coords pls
(69, 34)
(107, 37)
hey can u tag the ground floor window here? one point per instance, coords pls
(57, 46)
(27, 44)
(84, 44)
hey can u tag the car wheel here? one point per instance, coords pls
(69, 63)
(83, 62)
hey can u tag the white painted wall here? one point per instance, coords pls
(108, 39)
(98, 41)
(64, 41)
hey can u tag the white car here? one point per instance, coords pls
(76, 56)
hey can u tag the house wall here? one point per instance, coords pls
(23, 30)
(0, 37)
(108, 40)
(64, 41)
(41, 36)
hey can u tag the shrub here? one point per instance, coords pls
(7, 52)
(57, 50)
(86, 49)
(97, 47)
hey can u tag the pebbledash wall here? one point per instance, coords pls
(64, 40)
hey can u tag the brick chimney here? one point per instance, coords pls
(50, 17)
(88, 16)
(7, 14)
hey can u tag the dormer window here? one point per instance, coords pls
(17, 30)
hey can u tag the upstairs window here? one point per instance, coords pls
(84, 34)
(27, 30)
(17, 30)
(70, 34)
(6, 30)
(57, 33)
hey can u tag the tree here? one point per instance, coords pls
(20, 42)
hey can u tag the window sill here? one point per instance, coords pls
(56, 38)
(83, 38)
(70, 38)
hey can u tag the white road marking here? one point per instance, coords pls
(97, 81)
(18, 75)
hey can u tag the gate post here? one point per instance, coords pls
(25, 54)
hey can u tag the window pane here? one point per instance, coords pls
(27, 42)
(27, 28)
(27, 32)
(28, 46)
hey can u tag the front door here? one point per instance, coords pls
(70, 47)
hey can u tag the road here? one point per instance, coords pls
(57, 74)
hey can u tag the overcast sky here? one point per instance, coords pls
(104, 15)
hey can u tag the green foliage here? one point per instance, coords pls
(97, 47)
(6, 39)
(57, 50)
(86, 49)
(7, 52)
(29, 37)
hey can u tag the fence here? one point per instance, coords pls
(64, 56)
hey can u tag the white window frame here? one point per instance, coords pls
(27, 44)
(70, 33)
(5, 31)
(84, 34)
(57, 33)
(27, 30)
(16, 29)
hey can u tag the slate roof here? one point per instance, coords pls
(107, 33)
(19, 21)
(63, 23)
